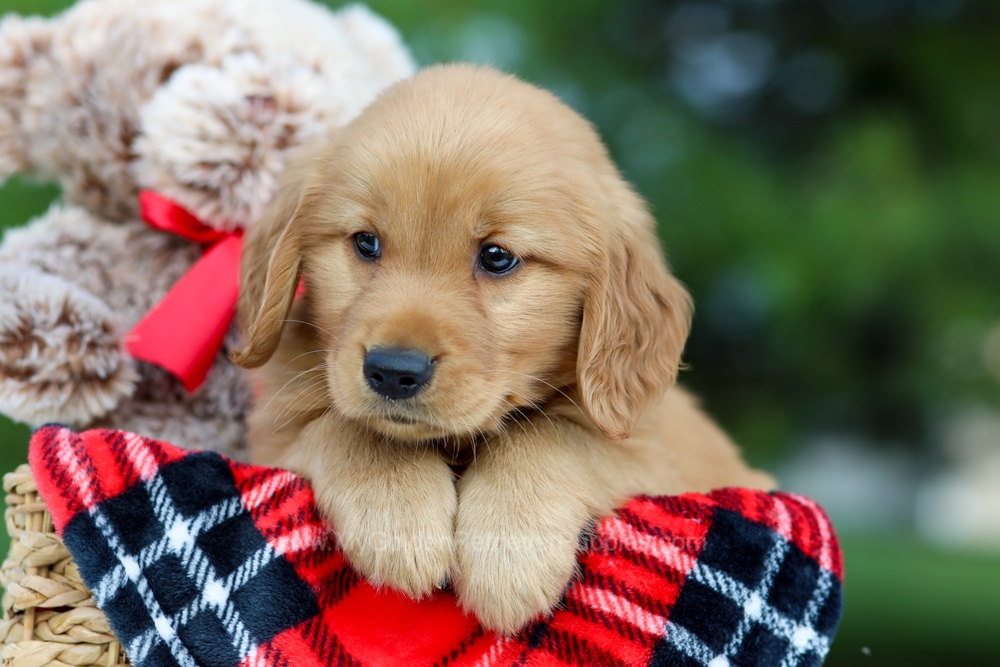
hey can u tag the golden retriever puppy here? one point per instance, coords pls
(482, 291)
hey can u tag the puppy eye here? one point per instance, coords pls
(495, 259)
(367, 245)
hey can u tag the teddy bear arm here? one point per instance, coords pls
(65, 302)
(66, 241)
(60, 351)
(127, 265)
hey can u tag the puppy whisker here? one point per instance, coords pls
(314, 393)
(298, 414)
(536, 379)
(501, 423)
(301, 382)
(303, 354)
(314, 369)
(329, 333)
(312, 426)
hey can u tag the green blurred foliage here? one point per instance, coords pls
(907, 605)
(845, 260)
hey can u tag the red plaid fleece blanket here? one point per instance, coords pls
(202, 561)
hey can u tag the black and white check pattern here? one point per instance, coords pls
(174, 544)
(772, 607)
(189, 561)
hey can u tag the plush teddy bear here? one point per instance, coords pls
(195, 103)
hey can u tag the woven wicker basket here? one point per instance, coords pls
(50, 617)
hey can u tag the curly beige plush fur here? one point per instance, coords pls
(199, 100)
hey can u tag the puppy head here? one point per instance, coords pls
(469, 250)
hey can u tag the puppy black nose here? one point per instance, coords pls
(396, 373)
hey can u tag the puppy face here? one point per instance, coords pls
(468, 251)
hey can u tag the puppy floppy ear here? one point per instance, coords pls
(270, 268)
(636, 318)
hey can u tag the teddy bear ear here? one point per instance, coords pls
(216, 138)
(22, 40)
(378, 43)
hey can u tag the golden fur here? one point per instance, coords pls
(553, 383)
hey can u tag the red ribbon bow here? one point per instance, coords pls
(183, 333)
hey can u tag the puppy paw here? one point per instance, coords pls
(399, 533)
(406, 547)
(61, 357)
(510, 569)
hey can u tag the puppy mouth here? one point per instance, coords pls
(400, 419)
(406, 427)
